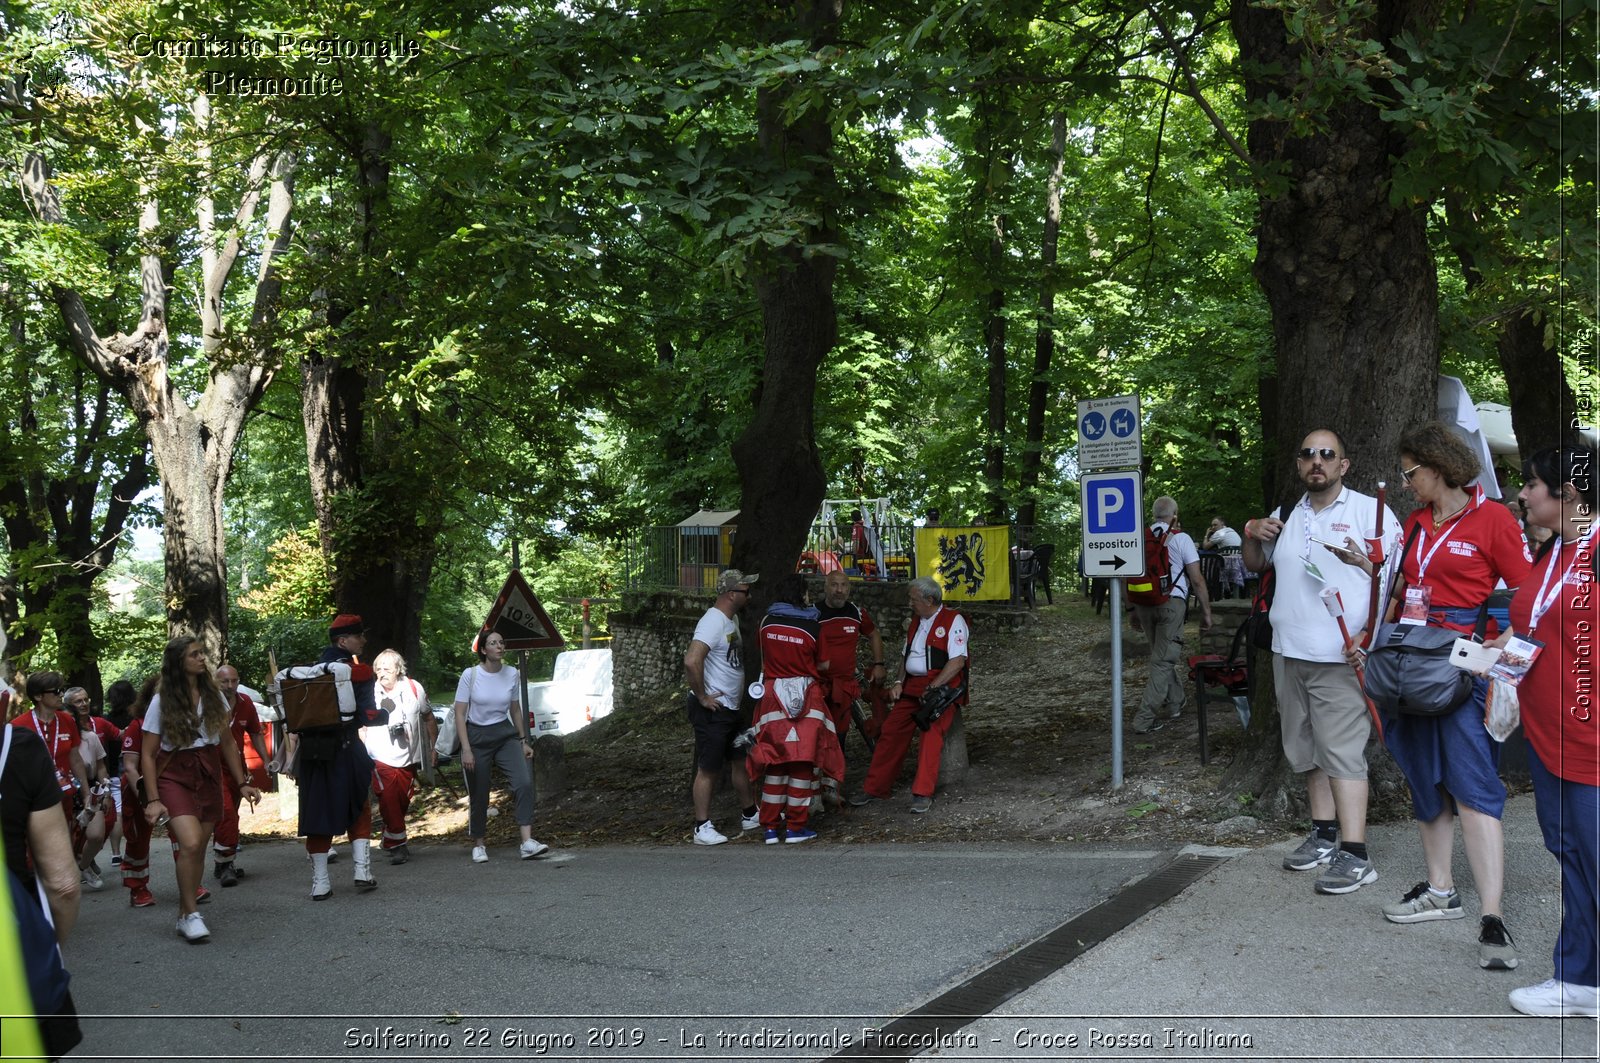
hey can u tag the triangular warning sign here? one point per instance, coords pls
(520, 619)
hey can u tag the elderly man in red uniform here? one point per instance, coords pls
(243, 720)
(935, 655)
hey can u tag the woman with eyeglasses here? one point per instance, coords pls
(1556, 618)
(185, 747)
(48, 718)
(1459, 546)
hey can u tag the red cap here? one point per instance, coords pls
(346, 624)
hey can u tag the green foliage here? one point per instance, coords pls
(297, 580)
(130, 621)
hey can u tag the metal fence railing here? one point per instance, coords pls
(688, 558)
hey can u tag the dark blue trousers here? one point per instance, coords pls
(1569, 817)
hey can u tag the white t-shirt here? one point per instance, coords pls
(493, 694)
(1180, 552)
(409, 702)
(1302, 627)
(724, 666)
(152, 725)
(1223, 538)
(91, 749)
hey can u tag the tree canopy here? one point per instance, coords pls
(552, 274)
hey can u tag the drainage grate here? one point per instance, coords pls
(993, 986)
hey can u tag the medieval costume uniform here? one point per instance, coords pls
(335, 773)
(795, 738)
(930, 645)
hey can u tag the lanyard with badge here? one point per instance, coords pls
(50, 737)
(1307, 517)
(1418, 597)
(1522, 650)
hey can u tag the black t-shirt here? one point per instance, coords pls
(27, 785)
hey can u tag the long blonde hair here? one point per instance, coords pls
(179, 728)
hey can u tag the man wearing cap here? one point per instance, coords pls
(714, 666)
(335, 772)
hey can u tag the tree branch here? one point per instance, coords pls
(1194, 87)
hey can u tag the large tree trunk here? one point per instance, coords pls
(1044, 343)
(994, 344)
(780, 472)
(193, 446)
(1542, 402)
(380, 569)
(1348, 274)
(1349, 278)
(1541, 399)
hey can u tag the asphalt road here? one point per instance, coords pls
(668, 953)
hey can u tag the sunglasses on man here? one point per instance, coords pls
(1326, 453)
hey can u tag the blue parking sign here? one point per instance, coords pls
(1111, 504)
(1113, 535)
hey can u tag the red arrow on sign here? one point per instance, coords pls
(520, 619)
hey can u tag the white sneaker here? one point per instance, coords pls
(750, 822)
(192, 927)
(1555, 999)
(92, 880)
(706, 834)
(533, 847)
(480, 855)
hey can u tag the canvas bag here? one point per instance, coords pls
(1409, 671)
(448, 743)
(316, 696)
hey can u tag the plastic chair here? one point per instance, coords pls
(1211, 572)
(1043, 554)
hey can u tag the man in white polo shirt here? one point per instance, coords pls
(1322, 710)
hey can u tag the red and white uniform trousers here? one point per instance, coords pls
(895, 738)
(394, 788)
(791, 753)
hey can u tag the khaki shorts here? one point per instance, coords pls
(1324, 717)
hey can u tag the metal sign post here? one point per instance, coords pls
(1116, 683)
(1110, 437)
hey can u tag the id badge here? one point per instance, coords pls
(1415, 608)
(1313, 571)
(1516, 658)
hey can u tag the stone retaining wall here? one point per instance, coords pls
(651, 631)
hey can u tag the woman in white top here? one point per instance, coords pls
(186, 743)
(492, 728)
